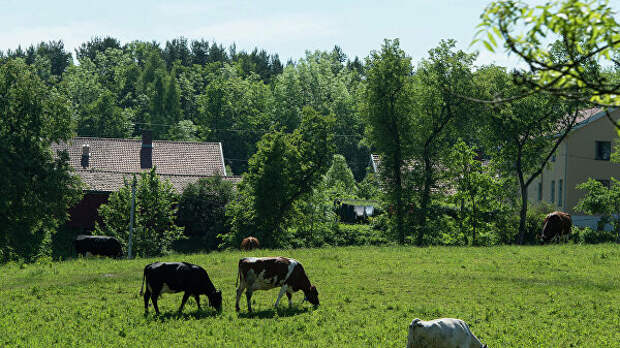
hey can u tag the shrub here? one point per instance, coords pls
(587, 235)
(154, 227)
(202, 211)
(536, 214)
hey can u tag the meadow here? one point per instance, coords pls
(551, 296)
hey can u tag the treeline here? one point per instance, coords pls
(458, 145)
(201, 91)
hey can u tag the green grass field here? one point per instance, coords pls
(552, 296)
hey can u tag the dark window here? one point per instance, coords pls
(603, 150)
(553, 158)
(540, 191)
(552, 191)
(560, 189)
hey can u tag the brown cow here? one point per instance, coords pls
(556, 225)
(249, 243)
(266, 273)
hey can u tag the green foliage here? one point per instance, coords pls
(602, 201)
(589, 31)
(518, 133)
(36, 189)
(285, 169)
(587, 235)
(388, 103)
(319, 80)
(368, 188)
(230, 109)
(202, 210)
(510, 296)
(155, 213)
(536, 214)
(479, 194)
(340, 176)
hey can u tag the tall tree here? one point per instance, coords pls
(445, 74)
(96, 45)
(523, 134)
(36, 189)
(388, 103)
(155, 212)
(285, 169)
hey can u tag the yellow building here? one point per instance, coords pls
(584, 153)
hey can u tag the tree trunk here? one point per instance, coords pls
(426, 195)
(400, 225)
(473, 220)
(461, 217)
(523, 214)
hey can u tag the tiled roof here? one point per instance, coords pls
(111, 160)
(588, 116)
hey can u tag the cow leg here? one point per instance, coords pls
(185, 297)
(239, 292)
(248, 296)
(154, 299)
(290, 299)
(197, 298)
(147, 296)
(282, 291)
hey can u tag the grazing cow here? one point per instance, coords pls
(266, 273)
(172, 277)
(556, 225)
(98, 245)
(249, 243)
(441, 333)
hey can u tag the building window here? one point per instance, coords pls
(540, 191)
(560, 189)
(552, 191)
(553, 158)
(603, 150)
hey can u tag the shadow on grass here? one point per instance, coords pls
(174, 315)
(272, 313)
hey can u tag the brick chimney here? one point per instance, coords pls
(146, 152)
(85, 155)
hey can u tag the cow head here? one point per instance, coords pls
(313, 296)
(215, 300)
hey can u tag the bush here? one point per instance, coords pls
(154, 226)
(536, 214)
(202, 211)
(587, 235)
(342, 235)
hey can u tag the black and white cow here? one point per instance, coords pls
(98, 245)
(266, 273)
(441, 333)
(172, 277)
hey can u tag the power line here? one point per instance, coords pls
(263, 131)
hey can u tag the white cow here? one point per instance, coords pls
(441, 333)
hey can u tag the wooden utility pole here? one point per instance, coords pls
(131, 214)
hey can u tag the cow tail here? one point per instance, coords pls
(143, 277)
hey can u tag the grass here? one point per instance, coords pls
(552, 296)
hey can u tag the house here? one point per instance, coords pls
(584, 153)
(104, 164)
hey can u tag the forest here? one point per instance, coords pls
(459, 143)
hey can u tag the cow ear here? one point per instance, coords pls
(415, 322)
